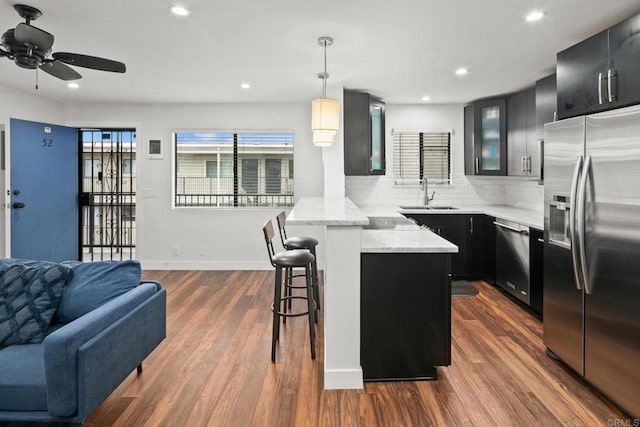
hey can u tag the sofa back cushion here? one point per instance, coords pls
(29, 297)
(93, 284)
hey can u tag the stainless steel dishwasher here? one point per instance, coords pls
(512, 258)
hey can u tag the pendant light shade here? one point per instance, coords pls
(325, 120)
(325, 112)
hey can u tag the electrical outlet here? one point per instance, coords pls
(175, 251)
(202, 251)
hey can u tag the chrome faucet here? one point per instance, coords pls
(425, 188)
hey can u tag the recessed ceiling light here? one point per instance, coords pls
(534, 16)
(245, 86)
(426, 98)
(73, 85)
(462, 71)
(179, 10)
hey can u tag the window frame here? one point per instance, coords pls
(407, 181)
(239, 199)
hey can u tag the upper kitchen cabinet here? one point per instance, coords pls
(600, 73)
(546, 103)
(523, 146)
(486, 137)
(364, 134)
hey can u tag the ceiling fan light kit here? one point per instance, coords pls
(30, 47)
(325, 112)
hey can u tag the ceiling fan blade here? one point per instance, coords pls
(28, 34)
(59, 70)
(92, 62)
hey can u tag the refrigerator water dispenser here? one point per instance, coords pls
(559, 218)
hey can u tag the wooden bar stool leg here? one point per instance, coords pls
(311, 307)
(275, 335)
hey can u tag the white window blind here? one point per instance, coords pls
(418, 155)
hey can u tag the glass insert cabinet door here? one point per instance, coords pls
(376, 112)
(490, 138)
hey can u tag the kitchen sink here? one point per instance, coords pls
(426, 207)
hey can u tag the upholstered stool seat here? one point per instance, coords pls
(293, 258)
(299, 242)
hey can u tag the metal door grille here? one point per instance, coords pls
(107, 194)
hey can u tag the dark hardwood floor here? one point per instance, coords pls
(214, 369)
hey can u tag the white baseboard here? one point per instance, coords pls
(209, 265)
(343, 379)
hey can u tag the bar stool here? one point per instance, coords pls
(300, 242)
(288, 260)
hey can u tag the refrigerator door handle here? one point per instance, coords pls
(582, 200)
(575, 244)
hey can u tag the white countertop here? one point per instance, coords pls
(530, 218)
(330, 211)
(405, 241)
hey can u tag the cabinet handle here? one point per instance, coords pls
(541, 240)
(471, 225)
(600, 88)
(610, 75)
(477, 165)
(522, 166)
(528, 164)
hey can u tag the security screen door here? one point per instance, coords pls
(108, 194)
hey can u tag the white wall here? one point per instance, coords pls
(205, 238)
(464, 190)
(25, 106)
(231, 239)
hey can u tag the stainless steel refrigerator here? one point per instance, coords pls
(592, 250)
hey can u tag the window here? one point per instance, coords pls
(233, 169)
(419, 155)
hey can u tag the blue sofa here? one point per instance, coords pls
(107, 322)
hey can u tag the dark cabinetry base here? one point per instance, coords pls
(405, 313)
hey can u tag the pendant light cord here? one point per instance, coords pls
(324, 77)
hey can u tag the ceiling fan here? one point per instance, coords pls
(30, 47)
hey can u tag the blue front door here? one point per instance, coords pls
(44, 191)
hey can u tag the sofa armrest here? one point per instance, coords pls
(108, 324)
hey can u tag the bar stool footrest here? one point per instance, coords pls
(288, 314)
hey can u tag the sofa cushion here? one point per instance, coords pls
(29, 296)
(94, 284)
(23, 385)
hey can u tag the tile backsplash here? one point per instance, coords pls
(465, 190)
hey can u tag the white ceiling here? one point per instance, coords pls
(399, 50)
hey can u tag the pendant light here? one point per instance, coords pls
(325, 112)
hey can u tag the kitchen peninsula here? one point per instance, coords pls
(345, 242)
